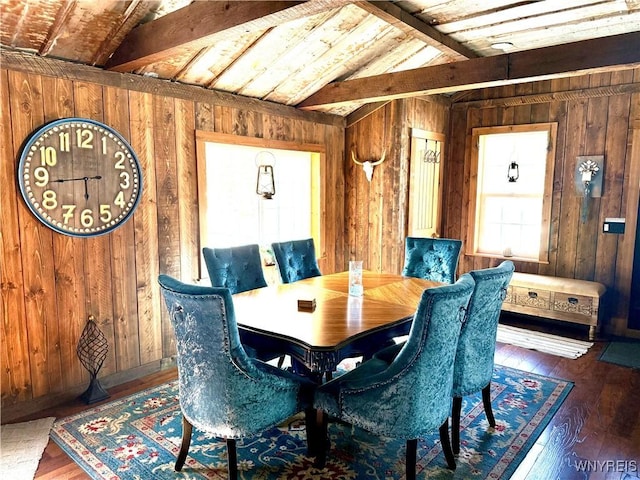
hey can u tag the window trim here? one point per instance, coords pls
(547, 197)
(318, 197)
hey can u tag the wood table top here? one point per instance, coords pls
(338, 318)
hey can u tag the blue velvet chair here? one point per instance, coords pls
(474, 362)
(237, 268)
(431, 258)
(224, 392)
(410, 396)
(296, 260)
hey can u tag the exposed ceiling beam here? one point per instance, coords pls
(413, 26)
(544, 63)
(201, 23)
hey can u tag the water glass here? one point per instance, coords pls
(355, 278)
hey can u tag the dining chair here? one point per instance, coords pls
(431, 258)
(296, 260)
(410, 396)
(474, 363)
(224, 392)
(237, 268)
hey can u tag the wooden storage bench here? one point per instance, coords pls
(566, 299)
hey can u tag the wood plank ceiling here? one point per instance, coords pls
(330, 55)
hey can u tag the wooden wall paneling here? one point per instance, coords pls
(631, 198)
(14, 352)
(68, 252)
(187, 190)
(453, 171)
(474, 120)
(615, 153)
(558, 114)
(377, 192)
(588, 231)
(398, 223)
(207, 115)
(36, 239)
(522, 113)
(333, 214)
(146, 230)
(123, 253)
(169, 242)
(571, 201)
(88, 103)
(540, 111)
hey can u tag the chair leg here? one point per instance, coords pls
(321, 440)
(455, 424)
(232, 459)
(486, 401)
(446, 445)
(410, 467)
(186, 442)
(281, 361)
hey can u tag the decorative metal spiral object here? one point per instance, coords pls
(92, 350)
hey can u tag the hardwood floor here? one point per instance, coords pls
(598, 424)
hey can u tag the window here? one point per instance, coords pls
(511, 218)
(231, 213)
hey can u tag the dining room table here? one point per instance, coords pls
(319, 324)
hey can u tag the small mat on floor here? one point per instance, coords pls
(542, 342)
(139, 437)
(22, 445)
(622, 352)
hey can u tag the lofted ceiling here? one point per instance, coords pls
(330, 55)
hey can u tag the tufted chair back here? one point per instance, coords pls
(431, 258)
(473, 368)
(411, 396)
(224, 392)
(237, 268)
(296, 260)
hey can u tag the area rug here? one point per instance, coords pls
(542, 342)
(622, 352)
(139, 437)
(21, 447)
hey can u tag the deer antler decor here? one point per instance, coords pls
(368, 165)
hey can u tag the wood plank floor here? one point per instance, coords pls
(598, 422)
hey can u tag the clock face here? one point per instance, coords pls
(79, 177)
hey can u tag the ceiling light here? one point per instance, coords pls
(504, 46)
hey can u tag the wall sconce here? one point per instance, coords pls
(588, 180)
(265, 184)
(431, 155)
(513, 172)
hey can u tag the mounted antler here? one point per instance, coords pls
(368, 165)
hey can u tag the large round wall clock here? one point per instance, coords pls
(79, 177)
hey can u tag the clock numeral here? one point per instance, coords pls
(84, 138)
(104, 145)
(41, 175)
(48, 156)
(86, 218)
(119, 200)
(68, 213)
(125, 180)
(120, 163)
(105, 213)
(64, 141)
(49, 199)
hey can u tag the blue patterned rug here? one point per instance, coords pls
(138, 437)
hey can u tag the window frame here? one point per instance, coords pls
(474, 214)
(318, 157)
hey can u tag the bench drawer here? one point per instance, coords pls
(532, 297)
(564, 302)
